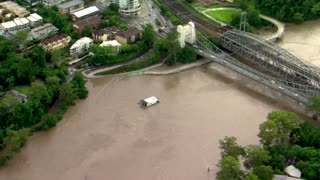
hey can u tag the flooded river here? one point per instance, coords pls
(109, 137)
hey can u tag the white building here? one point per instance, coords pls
(20, 24)
(84, 13)
(113, 43)
(35, 19)
(50, 3)
(128, 7)
(80, 46)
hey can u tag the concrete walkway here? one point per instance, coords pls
(178, 68)
(273, 37)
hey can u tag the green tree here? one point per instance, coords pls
(48, 121)
(256, 156)
(38, 92)
(229, 169)
(268, 133)
(264, 172)
(314, 106)
(87, 32)
(67, 95)
(57, 57)
(53, 86)
(19, 39)
(16, 139)
(114, 7)
(251, 176)
(284, 123)
(79, 84)
(148, 35)
(229, 147)
(187, 55)
(38, 56)
(26, 70)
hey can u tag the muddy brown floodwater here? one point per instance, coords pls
(109, 137)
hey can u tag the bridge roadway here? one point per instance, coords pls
(290, 75)
(206, 49)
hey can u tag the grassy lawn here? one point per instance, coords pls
(23, 88)
(200, 7)
(225, 16)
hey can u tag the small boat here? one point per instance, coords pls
(149, 101)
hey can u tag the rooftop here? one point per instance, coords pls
(293, 171)
(44, 28)
(21, 21)
(110, 43)
(70, 4)
(36, 16)
(15, 8)
(86, 11)
(87, 21)
(54, 39)
(130, 32)
(8, 25)
(108, 30)
(80, 42)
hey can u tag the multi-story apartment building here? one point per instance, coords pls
(50, 3)
(14, 8)
(130, 36)
(33, 2)
(20, 24)
(42, 32)
(85, 13)
(35, 20)
(93, 21)
(105, 34)
(80, 46)
(57, 42)
(71, 7)
(128, 7)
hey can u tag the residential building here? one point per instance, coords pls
(6, 27)
(113, 43)
(50, 3)
(128, 7)
(85, 13)
(93, 21)
(80, 46)
(284, 177)
(71, 6)
(20, 24)
(130, 36)
(105, 34)
(57, 42)
(42, 32)
(14, 8)
(33, 2)
(35, 20)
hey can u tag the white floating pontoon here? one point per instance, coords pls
(149, 101)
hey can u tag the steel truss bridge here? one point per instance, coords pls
(265, 62)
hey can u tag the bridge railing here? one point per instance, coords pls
(207, 49)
